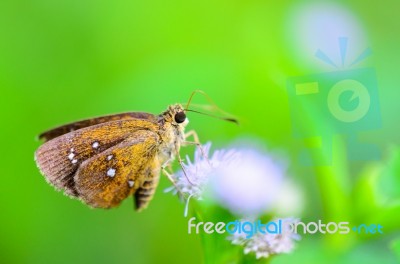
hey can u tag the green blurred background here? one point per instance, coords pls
(62, 61)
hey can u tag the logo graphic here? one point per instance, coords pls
(281, 226)
(344, 102)
(358, 91)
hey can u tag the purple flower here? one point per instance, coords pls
(245, 181)
(265, 245)
(198, 172)
(248, 185)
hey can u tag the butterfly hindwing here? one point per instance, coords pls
(106, 179)
(60, 158)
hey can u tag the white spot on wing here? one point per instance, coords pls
(71, 156)
(131, 183)
(109, 157)
(111, 172)
(95, 145)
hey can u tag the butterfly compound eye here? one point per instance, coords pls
(180, 117)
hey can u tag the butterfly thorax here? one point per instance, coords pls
(172, 133)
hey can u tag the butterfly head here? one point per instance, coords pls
(176, 115)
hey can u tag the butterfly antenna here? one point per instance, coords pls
(232, 120)
(213, 106)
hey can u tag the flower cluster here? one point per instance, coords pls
(198, 172)
(192, 181)
(245, 181)
(265, 245)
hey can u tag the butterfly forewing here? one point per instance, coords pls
(109, 177)
(60, 158)
(59, 131)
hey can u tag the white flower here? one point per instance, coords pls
(198, 172)
(245, 181)
(265, 245)
(250, 185)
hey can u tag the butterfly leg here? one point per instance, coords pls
(196, 142)
(193, 133)
(168, 172)
(170, 178)
(183, 168)
(164, 167)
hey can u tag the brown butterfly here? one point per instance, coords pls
(104, 160)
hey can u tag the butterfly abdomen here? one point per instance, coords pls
(145, 193)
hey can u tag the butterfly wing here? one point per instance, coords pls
(106, 179)
(60, 158)
(56, 132)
